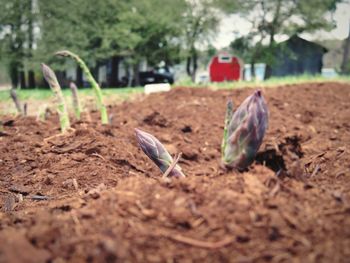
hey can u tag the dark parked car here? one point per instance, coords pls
(156, 76)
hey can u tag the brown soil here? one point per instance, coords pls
(92, 196)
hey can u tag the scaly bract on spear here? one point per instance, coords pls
(244, 132)
(153, 148)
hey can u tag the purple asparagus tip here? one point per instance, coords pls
(153, 148)
(246, 131)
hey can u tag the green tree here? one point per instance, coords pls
(270, 18)
(158, 25)
(16, 29)
(62, 27)
(345, 65)
(200, 22)
(100, 30)
(153, 30)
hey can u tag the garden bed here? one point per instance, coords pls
(93, 195)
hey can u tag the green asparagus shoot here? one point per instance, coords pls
(42, 113)
(15, 99)
(25, 109)
(228, 117)
(94, 84)
(76, 102)
(50, 77)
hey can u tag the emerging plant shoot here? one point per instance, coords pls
(228, 117)
(152, 147)
(42, 113)
(50, 77)
(25, 109)
(245, 132)
(16, 101)
(94, 84)
(76, 103)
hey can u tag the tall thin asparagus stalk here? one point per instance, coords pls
(228, 117)
(15, 99)
(42, 113)
(50, 77)
(76, 102)
(94, 84)
(25, 109)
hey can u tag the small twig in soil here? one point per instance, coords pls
(315, 171)
(98, 155)
(336, 212)
(69, 130)
(126, 193)
(279, 172)
(20, 198)
(341, 173)
(213, 169)
(75, 184)
(275, 190)
(172, 165)
(145, 211)
(275, 184)
(38, 197)
(131, 172)
(198, 243)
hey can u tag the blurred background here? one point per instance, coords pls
(134, 42)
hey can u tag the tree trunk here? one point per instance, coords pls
(188, 66)
(345, 62)
(79, 77)
(113, 80)
(252, 69)
(273, 29)
(268, 68)
(22, 78)
(195, 66)
(31, 79)
(268, 71)
(96, 73)
(192, 65)
(136, 69)
(31, 76)
(128, 76)
(14, 75)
